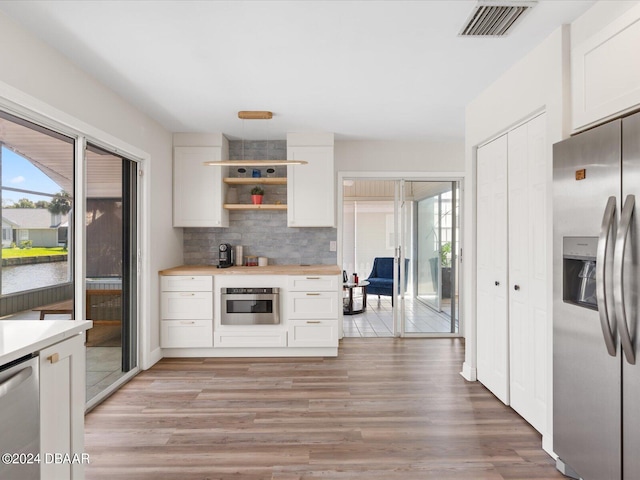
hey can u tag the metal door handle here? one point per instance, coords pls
(618, 280)
(608, 220)
(15, 381)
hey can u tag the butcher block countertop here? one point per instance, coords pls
(268, 270)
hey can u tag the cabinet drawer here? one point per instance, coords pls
(187, 305)
(313, 283)
(186, 333)
(185, 283)
(313, 333)
(313, 305)
(276, 338)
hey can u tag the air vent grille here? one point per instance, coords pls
(494, 19)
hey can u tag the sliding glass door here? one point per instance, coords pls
(111, 268)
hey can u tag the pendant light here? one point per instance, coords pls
(255, 115)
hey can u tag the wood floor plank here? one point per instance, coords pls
(384, 409)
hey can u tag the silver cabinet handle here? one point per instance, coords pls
(187, 294)
(314, 321)
(608, 221)
(618, 278)
(15, 381)
(313, 278)
(184, 322)
(313, 294)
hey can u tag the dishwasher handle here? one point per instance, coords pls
(15, 381)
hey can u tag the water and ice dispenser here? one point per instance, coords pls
(579, 271)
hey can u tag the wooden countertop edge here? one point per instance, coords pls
(268, 270)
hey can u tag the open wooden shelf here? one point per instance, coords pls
(255, 181)
(248, 206)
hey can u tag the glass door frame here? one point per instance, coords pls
(399, 313)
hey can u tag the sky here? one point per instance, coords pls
(17, 172)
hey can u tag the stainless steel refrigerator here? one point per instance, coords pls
(596, 384)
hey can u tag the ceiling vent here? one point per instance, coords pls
(494, 18)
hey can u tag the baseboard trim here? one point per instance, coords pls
(469, 374)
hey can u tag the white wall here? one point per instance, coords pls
(394, 156)
(538, 82)
(35, 74)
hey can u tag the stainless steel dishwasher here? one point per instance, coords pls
(20, 419)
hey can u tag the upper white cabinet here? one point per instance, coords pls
(311, 187)
(605, 71)
(198, 190)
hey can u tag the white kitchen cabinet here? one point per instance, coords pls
(513, 280)
(186, 333)
(251, 337)
(605, 71)
(313, 333)
(199, 190)
(313, 310)
(186, 309)
(311, 187)
(62, 404)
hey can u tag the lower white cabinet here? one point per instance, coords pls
(234, 338)
(313, 305)
(313, 333)
(186, 310)
(62, 405)
(186, 333)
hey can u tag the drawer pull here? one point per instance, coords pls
(54, 358)
(314, 321)
(313, 278)
(188, 323)
(187, 294)
(313, 294)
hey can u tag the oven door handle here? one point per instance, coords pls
(250, 296)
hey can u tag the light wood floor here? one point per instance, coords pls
(384, 409)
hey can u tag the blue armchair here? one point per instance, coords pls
(381, 277)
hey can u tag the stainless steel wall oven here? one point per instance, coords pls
(250, 306)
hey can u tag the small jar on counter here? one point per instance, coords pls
(252, 261)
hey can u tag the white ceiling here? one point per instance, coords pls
(361, 69)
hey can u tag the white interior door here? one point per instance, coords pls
(528, 271)
(492, 275)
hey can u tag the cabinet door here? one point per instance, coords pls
(187, 305)
(529, 287)
(313, 333)
(198, 190)
(313, 305)
(491, 280)
(605, 71)
(311, 187)
(186, 333)
(62, 400)
(314, 283)
(186, 283)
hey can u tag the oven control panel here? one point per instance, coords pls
(250, 291)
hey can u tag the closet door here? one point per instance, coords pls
(492, 275)
(528, 271)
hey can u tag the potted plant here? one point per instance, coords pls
(256, 195)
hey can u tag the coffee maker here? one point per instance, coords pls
(225, 255)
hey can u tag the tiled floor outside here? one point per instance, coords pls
(377, 320)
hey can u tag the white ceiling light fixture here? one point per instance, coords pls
(495, 18)
(255, 115)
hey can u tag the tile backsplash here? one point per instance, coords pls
(261, 233)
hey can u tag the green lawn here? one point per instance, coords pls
(32, 252)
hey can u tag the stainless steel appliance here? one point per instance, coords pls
(596, 378)
(20, 419)
(250, 306)
(225, 255)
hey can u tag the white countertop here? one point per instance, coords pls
(22, 337)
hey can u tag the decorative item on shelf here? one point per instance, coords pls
(256, 195)
(256, 173)
(252, 261)
(242, 172)
(255, 115)
(271, 172)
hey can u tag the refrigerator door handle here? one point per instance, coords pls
(601, 267)
(618, 278)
